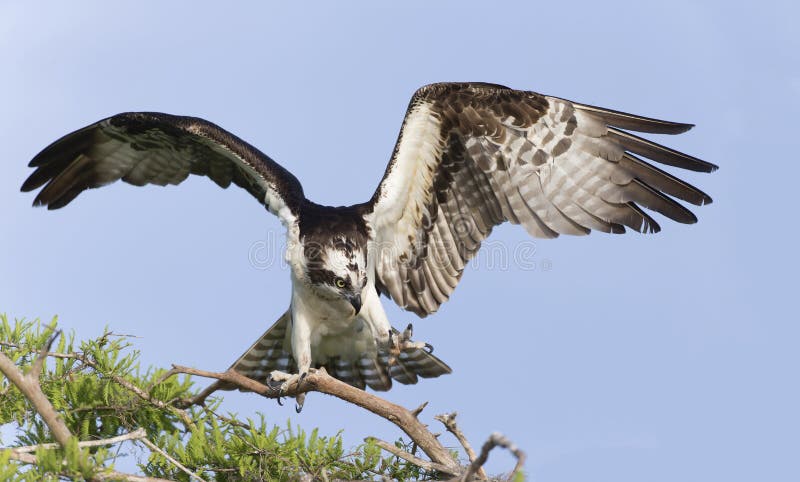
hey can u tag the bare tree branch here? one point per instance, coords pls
(28, 384)
(449, 422)
(167, 456)
(137, 434)
(495, 440)
(88, 361)
(51, 354)
(22, 454)
(394, 450)
(316, 380)
(187, 421)
(320, 381)
(100, 476)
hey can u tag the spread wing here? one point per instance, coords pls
(471, 156)
(152, 148)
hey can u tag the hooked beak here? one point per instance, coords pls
(355, 301)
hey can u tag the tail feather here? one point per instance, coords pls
(423, 363)
(346, 371)
(272, 351)
(374, 374)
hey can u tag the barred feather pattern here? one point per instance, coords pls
(471, 156)
(153, 148)
(272, 351)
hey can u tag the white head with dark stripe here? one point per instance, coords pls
(336, 269)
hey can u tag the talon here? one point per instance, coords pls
(280, 401)
(300, 400)
(300, 380)
(428, 348)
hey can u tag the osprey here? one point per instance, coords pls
(469, 157)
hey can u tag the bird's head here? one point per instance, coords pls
(336, 270)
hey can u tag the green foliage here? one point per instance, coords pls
(92, 385)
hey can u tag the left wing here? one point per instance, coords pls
(154, 148)
(471, 156)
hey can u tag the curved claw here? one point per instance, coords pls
(429, 348)
(280, 401)
(281, 394)
(300, 400)
(298, 408)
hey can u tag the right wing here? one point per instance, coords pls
(471, 156)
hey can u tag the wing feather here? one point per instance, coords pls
(152, 148)
(658, 153)
(471, 156)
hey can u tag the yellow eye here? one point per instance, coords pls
(339, 283)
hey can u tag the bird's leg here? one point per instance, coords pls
(300, 398)
(301, 351)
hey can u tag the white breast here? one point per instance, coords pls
(334, 331)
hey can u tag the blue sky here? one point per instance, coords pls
(607, 358)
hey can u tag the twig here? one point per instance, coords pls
(449, 422)
(419, 409)
(200, 398)
(81, 357)
(28, 384)
(229, 420)
(187, 421)
(394, 450)
(495, 440)
(51, 354)
(38, 363)
(161, 379)
(137, 434)
(156, 448)
(100, 476)
(116, 476)
(320, 381)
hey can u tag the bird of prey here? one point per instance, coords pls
(469, 156)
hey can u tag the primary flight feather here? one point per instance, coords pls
(469, 157)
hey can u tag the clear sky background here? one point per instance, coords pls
(606, 358)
